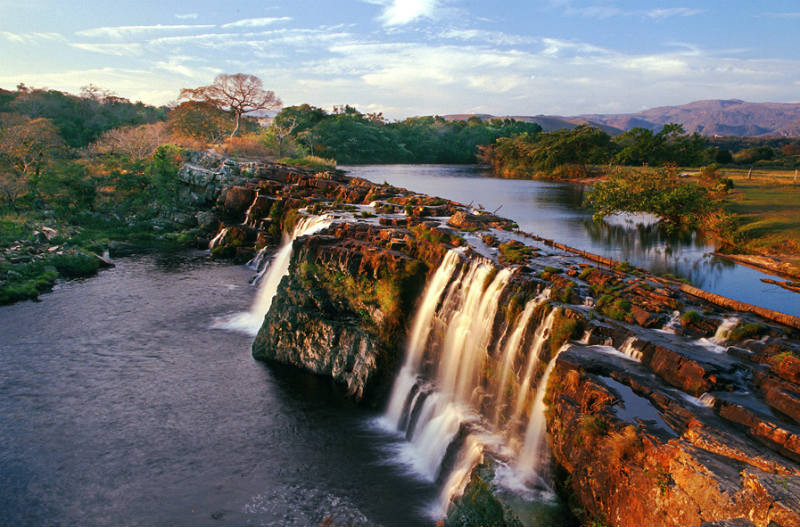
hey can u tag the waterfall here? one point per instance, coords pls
(456, 320)
(469, 330)
(511, 348)
(250, 321)
(420, 330)
(542, 332)
(724, 329)
(531, 454)
(215, 240)
(630, 350)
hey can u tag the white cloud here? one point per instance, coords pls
(492, 37)
(30, 38)
(129, 31)
(401, 12)
(186, 16)
(609, 11)
(257, 22)
(674, 11)
(177, 65)
(794, 14)
(119, 50)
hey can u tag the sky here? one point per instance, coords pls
(415, 57)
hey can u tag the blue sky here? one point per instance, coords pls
(416, 57)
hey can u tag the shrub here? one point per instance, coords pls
(690, 317)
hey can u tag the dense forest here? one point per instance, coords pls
(584, 151)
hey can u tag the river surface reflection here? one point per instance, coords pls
(553, 210)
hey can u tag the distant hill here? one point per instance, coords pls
(731, 117)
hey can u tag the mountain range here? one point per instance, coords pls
(730, 117)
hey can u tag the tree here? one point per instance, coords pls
(239, 93)
(200, 120)
(136, 142)
(282, 130)
(24, 150)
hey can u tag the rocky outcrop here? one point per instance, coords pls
(638, 453)
(343, 310)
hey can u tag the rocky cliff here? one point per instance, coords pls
(661, 407)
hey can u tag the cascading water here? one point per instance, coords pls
(439, 399)
(542, 333)
(511, 348)
(250, 321)
(216, 239)
(462, 297)
(530, 457)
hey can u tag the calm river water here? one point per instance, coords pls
(553, 210)
(119, 406)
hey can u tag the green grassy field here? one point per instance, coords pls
(767, 206)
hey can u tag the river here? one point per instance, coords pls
(553, 210)
(120, 406)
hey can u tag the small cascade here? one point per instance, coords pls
(250, 322)
(216, 239)
(630, 350)
(724, 329)
(542, 332)
(716, 344)
(672, 324)
(247, 219)
(512, 347)
(531, 455)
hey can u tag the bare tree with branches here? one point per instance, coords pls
(239, 93)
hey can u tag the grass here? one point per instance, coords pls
(312, 162)
(767, 208)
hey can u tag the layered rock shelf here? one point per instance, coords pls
(662, 405)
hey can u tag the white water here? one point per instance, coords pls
(716, 343)
(215, 240)
(530, 458)
(512, 347)
(724, 329)
(542, 332)
(420, 330)
(462, 302)
(250, 322)
(628, 349)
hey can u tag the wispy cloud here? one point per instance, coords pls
(491, 37)
(30, 38)
(402, 12)
(608, 11)
(128, 31)
(673, 11)
(257, 22)
(187, 16)
(131, 48)
(178, 65)
(794, 14)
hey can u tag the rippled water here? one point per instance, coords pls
(120, 406)
(553, 210)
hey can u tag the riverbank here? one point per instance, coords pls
(763, 207)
